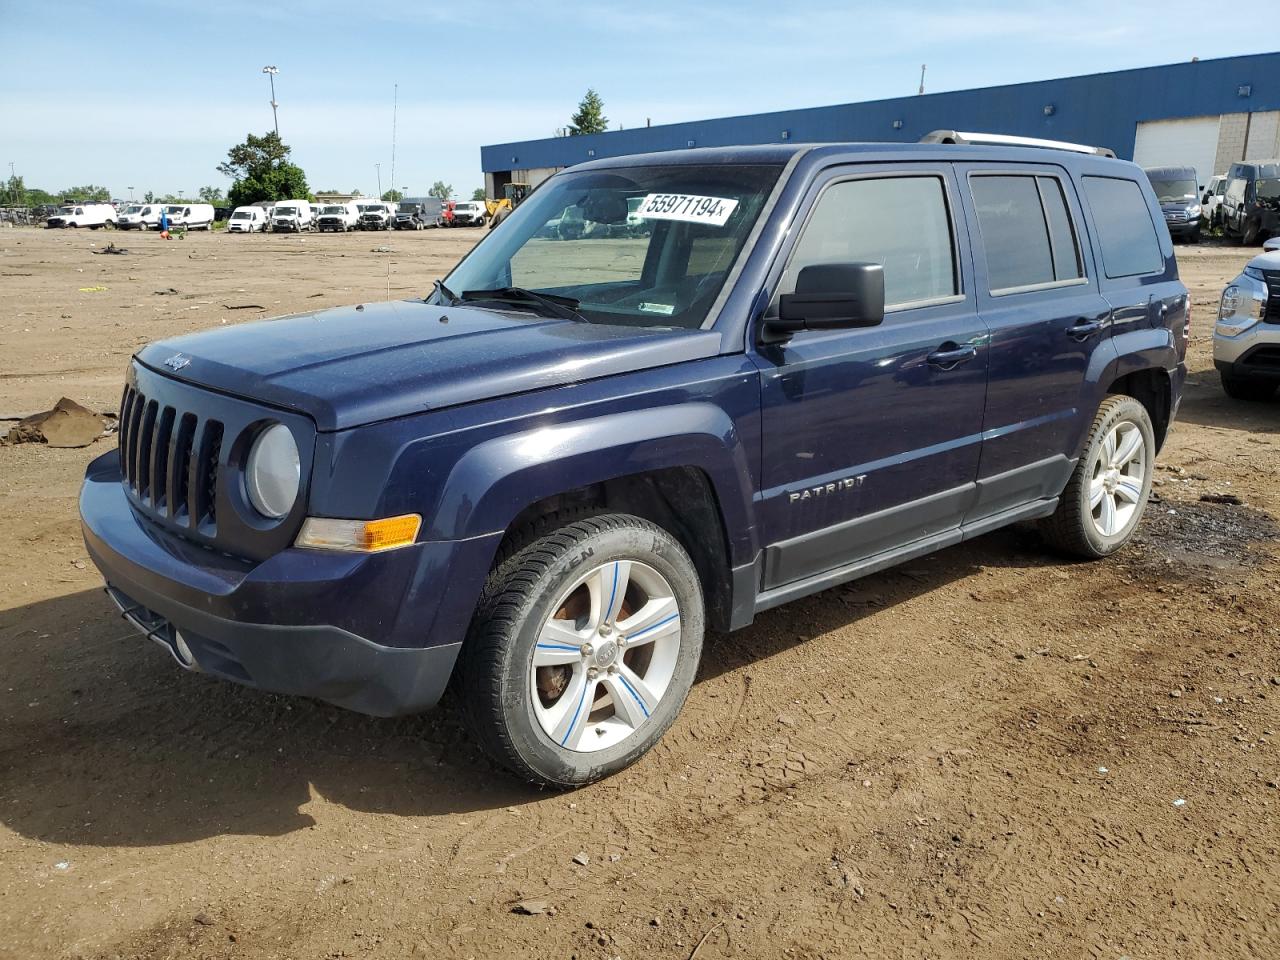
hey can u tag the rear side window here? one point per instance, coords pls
(901, 223)
(1027, 231)
(1126, 233)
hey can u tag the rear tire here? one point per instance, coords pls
(1247, 388)
(615, 658)
(1108, 491)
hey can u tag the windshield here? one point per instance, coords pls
(242, 215)
(371, 208)
(66, 210)
(408, 208)
(332, 210)
(1268, 189)
(133, 209)
(1170, 190)
(639, 246)
(286, 211)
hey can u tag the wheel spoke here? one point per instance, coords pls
(1107, 522)
(633, 701)
(1128, 447)
(568, 715)
(559, 642)
(1109, 448)
(657, 618)
(1097, 490)
(1130, 489)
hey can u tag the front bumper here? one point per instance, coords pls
(240, 621)
(1183, 228)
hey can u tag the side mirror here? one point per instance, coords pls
(832, 296)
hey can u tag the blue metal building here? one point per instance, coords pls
(1204, 113)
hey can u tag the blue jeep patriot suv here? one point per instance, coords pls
(753, 373)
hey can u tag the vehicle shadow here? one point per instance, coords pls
(1204, 403)
(105, 741)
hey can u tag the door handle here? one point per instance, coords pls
(949, 355)
(1083, 329)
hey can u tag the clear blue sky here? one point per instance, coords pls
(151, 93)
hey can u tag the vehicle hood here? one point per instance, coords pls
(1178, 206)
(1266, 261)
(357, 365)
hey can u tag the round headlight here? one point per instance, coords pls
(272, 473)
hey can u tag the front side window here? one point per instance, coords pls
(1026, 229)
(901, 223)
(1269, 190)
(636, 246)
(1126, 232)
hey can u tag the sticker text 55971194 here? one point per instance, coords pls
(683, 206)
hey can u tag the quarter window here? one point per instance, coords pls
(901, 223)
(1027, 232)
(1126, 232)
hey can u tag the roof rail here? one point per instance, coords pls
(1004, 140)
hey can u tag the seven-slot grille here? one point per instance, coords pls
(169, 460)
(1271, 310)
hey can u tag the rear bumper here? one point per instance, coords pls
(268, 625)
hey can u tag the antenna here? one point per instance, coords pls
(923, 68)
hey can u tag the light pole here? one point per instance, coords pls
(275, 118)
(378, 167)
(131, 194)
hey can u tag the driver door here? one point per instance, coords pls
(871, 436)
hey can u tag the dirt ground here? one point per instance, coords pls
(989, 753)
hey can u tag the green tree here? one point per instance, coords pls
(356, 193)
(478, 193)
(211, 194)
(393, 196)
(441, 189)
(261, 170)
(86, 194)
(15, 191)
(38, 198)
(590, 117)
(148, 197)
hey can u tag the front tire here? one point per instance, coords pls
(583, 649)
(1108, 491)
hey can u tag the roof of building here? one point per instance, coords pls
(1100, 108)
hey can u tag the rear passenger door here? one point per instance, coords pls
(870, 437)
(1039, 297)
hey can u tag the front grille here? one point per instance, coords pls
(1271, 310)
(169, 460)
(1175, 217)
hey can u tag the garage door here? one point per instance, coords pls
(1179, 143)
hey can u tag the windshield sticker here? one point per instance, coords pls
(666, 309)
(690, 209)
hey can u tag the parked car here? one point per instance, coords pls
(377, 215)
(338, 218)
(469, 213)
(1251, 203)
(824, 361)
(1272, 244)
(1246, 338)
(248, 220)
(1211, 200)
(1179, 197)
(292, 216)
(140, 216)
(91, 215)
(190, 216)
(418, 214)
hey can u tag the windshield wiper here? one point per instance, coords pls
(449, 297)
(564, 307)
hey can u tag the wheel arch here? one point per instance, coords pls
(1153, 388)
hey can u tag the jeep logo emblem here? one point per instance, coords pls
(177, 362)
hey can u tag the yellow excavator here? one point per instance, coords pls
(499, 210)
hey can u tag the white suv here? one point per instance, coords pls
(1246, 338)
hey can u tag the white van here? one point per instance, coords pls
(247, 220)
(338, 217)
(91, 215)
(377, 215)
(190, 216)
(140, 216)
(292, 216)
